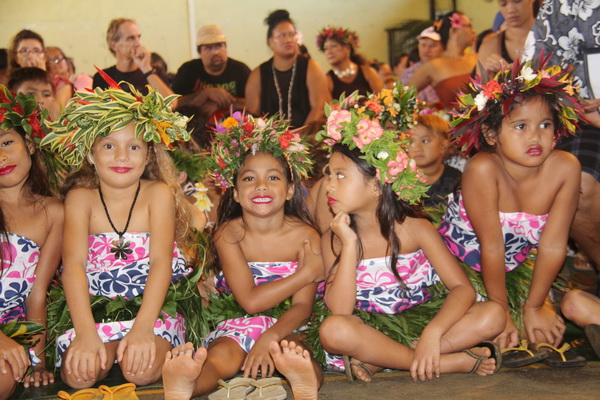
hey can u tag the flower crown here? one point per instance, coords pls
(489, 97)
(397, 105)
(239, 134)
(379, 148)
(21, 110)
(331, 32)
(456, 21)
(90, 114)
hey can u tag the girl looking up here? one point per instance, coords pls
(30, 239)
(267, 250)
(123, 215)
(517, 192)
(382, 255)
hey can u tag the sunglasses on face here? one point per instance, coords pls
(27, 50)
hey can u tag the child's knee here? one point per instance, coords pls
(335, 333)
(7, 384)
(494, 320)
(570, 304)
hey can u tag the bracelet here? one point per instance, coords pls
(152, 71)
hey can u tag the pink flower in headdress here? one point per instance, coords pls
(368, 131)
(457, 20)
(334, 123)
(397, 166)
(285, 139)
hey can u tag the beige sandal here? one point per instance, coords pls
(268, 389)
(234, 389)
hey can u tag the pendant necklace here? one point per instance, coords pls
(289, 93)
(120, 247)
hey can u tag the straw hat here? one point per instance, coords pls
(210, 34)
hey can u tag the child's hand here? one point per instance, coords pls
(259, 359)
(82, 357)
(311, 262)
(137, 351)
(542, 324)
(340, 226)
(426, 361)
(14, 355)
(510, 335)
(40, 375)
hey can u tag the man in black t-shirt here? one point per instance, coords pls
(213, 81)
(133, 60)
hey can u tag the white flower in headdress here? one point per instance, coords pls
(527, 74)
(383, 155)
(480, 101)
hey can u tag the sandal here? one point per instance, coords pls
(496, 354)
(268, 389)
(83, 394)
(520, 356)
(234, 389)
(592, 333)
(562, 357)
(125, 391)
(348, 363)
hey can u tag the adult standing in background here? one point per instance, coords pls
(133, 60)
(568, 31)
(293, 86)
(222, 78)
(349, 71)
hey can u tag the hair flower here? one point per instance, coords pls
(338, 33)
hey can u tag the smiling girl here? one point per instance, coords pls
(124, 219)
(517, 192)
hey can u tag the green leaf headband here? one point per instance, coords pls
(240, 134)
(21, 110)
(90, 114)
(380, 148)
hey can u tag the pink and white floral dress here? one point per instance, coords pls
(111, 277)
(245, 331)
(521, 233)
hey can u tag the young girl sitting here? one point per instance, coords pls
(123, 213)
(267, 250)
(30, 239)
(428, 147)
(517, 193)
(381, 253)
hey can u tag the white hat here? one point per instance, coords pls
(430, 33)
(210, 34)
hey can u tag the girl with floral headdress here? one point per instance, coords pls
(383, 256)
(349, 71)
(124, 220)
(517, 194)
(266, 248)
(30, 239)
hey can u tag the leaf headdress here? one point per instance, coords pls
(486, 98)
(90, 114)
(240, 134)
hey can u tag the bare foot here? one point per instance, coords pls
(487, 366)
(181, 369)
(363, 371)
(296, 365)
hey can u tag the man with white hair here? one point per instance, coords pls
(133, 59)
(214, 81)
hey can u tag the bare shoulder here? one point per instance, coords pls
(564, 162)
(156, 192)
(413, 232)
(482, 163)
(80, 196)
(230, 232)
(55, 208)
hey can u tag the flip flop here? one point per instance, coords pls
(496, 355)
(235, 389)
(83, 394)
(562, 357)
(592, 333)
(520, 356)
(125, 391)
(268, 389)
(348, 369)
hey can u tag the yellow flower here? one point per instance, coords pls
(230, 123)
(161, 128)
(203, 202)
(387, 100)
(393, 112)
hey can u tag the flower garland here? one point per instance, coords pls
(90, 114)
(344, 35)
(397, 106)
(361, 127)
(486, 97)
(240, 134)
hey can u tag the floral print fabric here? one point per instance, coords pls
(20, 257)
(521, 232)
(111, 277)
(246, 331)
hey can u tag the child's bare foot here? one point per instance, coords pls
(363, 371)
(181, 369)
(296, 365)
(481, 355)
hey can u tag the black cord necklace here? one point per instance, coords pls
(121, 247)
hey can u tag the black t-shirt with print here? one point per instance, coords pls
(192, 77)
